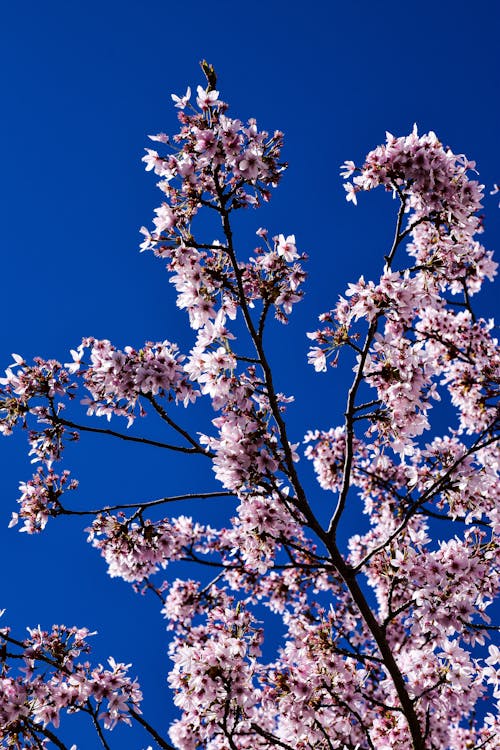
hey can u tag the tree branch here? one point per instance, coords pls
(146, 504)
(163, 414)
(157, 738)
(130, 438)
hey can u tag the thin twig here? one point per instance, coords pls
(427, 495)
(97, 726)
(147, 726)
(122, 436)
(46, 732)
(163, 414)
(146, 504)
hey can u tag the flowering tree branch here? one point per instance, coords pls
(384, 635)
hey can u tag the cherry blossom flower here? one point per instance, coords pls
(182, 101)
(206, 99)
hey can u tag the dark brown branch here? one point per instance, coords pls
(357, 716)
(262, 321)
(146, 504)
(427, 495)
(323, 731)
(378, 633)
(368, 404)
(97, 726)
(268, 736)
(131, 438)
(271, 392)
(467, 301)
(163, 414)
(157, 738)
(451, 519)
(349, 432)
(398, 236)
(46, 732)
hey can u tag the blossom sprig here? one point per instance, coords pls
(219, 159)
(116, 379)
(399, 359)
(24, 388)
(55, 681)
(135, 550)
(433, 180)
(40, 499)
(117, 383)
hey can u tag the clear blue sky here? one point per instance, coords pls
(82, 85)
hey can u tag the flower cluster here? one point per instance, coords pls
(416, 339)
(245, 447)
(432, 178)
(54, 681)
(467, 356)
(451, 259)
(40, 499)
(116, 379)
(45, 380)
(134, 551)
(327, 452)
(215, 158)
(262, 525)
(469, 486)
(220, 162)
(215, 667)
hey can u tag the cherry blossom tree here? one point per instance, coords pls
(386, 638)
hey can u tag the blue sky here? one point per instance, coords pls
(83, 83)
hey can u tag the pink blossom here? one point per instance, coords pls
(206, 99)
(286, 247)
(182, 101)
(351, 192)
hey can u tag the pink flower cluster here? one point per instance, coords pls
(450, 257)
(134, 551)
(221, 163)
(432, 178)
(466, 355)
(55, 680)
(270, 275)
(215, 157)
(327, 452)
(263, 524)
(116, 379)
(214, 667)
(46, 380)
(40, 499)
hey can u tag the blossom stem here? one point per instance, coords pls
(95, 721)
(147, 726)
(131, 438)
(148, 504)
(46, 732)
(163, 414)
